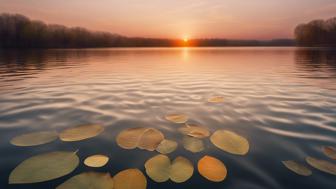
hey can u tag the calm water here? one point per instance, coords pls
(283, 100)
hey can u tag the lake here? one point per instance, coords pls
(282, 100)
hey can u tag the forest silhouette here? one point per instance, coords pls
(317, 33)
(18, 31)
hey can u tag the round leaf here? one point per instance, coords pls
(150, 139)
(322, 165)
(158, 168)
(130, 179)
(81, 132)
(181, 170)
(44, 167)
(129, 138)
(194, 131)
(193, 144)
(330, 152)
(35, 138)
(212, 169)
(230, 142)
(88, 180)
(297, 168)
(143, 138)
(177, 118)
(167, 146)
(96, 161)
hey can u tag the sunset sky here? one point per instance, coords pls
(243, 19)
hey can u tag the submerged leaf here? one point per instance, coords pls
(193, 144)
(81, 132)
(230, 142)
(35, 138)
(194, 131)
(330, 152)
(181, 170)
(44, 167)
(177, 118)
(216, 99)
(166, 146)
(143, 138)
(322, 165)
(160, 169)
(297, 168)
(96, 160)
(130, 179)
(88, 180)
(212, 169)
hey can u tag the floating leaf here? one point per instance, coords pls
(194, 131)
(177, 118)
(230, 142)
(212, 169)
(330, 152)
(143, 138)
(130, 179)
(166, 146)
(81, 132)
(88, 180)
(216, 99)
(181, 170)
(322, 165)
(297, 168)
(96, 161)
(35, 138)
(160, 169)
(44, 167)
(193, 144)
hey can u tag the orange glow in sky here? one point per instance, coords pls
(235, 19)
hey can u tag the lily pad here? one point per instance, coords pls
(177, 118)
(330, 152)
(81, 132)
(166, 146)
(130, 179)
(44, 167)
(230, 142)
(297, 168)
(34, 138)
(216, 99)
(96, 160)
(194, 131)
(193, 144)
(88, 180)
(322, 165)
(212, 169)
(160, 169)
(143, 138)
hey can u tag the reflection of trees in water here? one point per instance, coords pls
(25, 60)
(316, 59)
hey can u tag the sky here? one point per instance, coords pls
(234, 19)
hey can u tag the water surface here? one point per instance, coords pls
(283, 100)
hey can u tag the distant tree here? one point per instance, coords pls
(17, 31)
(317, 33)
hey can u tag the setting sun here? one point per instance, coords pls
(185, 39)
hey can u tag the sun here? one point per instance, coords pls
(185, 39)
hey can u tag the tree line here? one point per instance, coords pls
(317, 33)
(18, 31)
